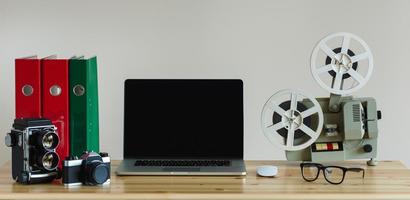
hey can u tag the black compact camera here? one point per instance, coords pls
(91, 169)
(33, 143)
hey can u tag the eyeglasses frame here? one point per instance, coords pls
(323, 168)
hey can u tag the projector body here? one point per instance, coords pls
(349, 132)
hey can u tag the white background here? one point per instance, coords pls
(265, 43)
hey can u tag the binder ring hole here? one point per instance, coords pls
(79, 90)
(27, 90)
(55, 90)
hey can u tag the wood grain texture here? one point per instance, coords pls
(388, 180)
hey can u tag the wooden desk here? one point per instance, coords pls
(388, 180)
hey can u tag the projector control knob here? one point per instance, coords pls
(367, 148)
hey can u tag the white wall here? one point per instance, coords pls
(265, 43)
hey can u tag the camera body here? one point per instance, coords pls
(33, 143)
(91, 169)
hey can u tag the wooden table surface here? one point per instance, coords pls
(388, 180)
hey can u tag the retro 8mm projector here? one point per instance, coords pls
(328, 129)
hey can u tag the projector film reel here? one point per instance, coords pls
(342, 63)
(285, 120)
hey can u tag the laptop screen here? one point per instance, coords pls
(171, 119)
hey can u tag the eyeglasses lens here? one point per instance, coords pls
(310, 172)
(333, 174)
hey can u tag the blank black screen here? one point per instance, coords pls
(183, 119)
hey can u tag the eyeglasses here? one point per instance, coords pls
(333, 174)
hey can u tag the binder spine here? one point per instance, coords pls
(84, 121)
(28, 88)
(55, 80)
(78, 103)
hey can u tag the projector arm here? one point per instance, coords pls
(334, 102)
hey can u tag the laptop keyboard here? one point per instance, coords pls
(182, 163)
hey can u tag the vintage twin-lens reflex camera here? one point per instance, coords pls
(91, 169)
(33, 143)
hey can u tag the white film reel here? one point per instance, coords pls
(343, 64)
(283, 120)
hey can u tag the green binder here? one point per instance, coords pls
(84, 125)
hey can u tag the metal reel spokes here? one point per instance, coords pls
(346, 58)
(292, 120)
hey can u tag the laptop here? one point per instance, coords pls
(183, 127)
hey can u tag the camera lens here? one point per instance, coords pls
(97, 173)
(49, 140)
(48, 161)
(44, 139)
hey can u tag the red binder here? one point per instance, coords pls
(55, 84)
(28, 87)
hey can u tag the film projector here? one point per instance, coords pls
(337, 128)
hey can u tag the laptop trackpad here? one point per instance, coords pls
(181, 169)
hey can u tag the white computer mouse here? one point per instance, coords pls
(267, 170)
